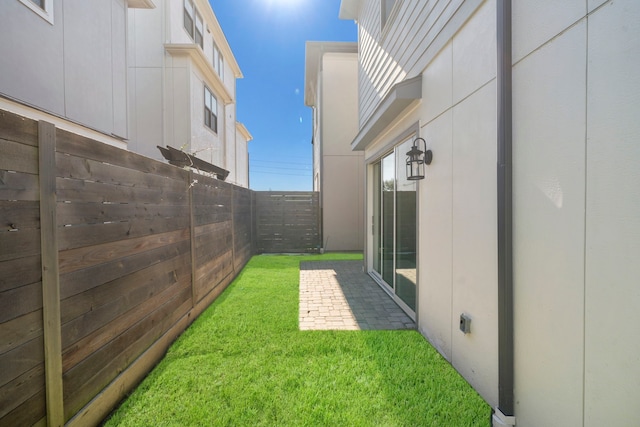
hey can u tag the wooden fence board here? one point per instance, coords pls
(20, 330)
(80, 146)
(18, 272)
(287, 222)
(19, 129)
(83, 348)
(80, 258)
(18, 157)
(85, 169)
(19, 186)
(30, 412)
(19, 215)
(99, 213)
(21, 359)
(75, 190)
(97, 234)
(86, 379)
(19, 301)
(21, 389)
(87, 312)
(210, 275)
(84, 279)
(19, 244)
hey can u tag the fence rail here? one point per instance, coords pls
(106, 257)
(287, 221)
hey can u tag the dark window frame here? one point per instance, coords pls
(190, 22)
(210, 116)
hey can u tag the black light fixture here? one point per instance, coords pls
(417, 158)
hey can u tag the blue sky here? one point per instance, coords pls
(268, 39)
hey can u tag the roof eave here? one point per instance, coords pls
(401, 96)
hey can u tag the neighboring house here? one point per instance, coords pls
(528, 220)
(66, 62)
(331, 89)
(182, 85)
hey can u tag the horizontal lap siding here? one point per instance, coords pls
(143, 248)
(416, 32)
(124, 260)
(22, 381)
(287, 222)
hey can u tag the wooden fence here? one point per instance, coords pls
(287, 222)
(105, 257)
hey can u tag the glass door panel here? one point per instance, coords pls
(406, 232)
(387, 212)
(377, 224)
(394, 225)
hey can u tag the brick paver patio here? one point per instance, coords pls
(338, 295)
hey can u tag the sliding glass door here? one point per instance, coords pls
(394, 226)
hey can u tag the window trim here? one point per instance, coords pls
(45, 12)
(218, 61)
(196, 34)
(209, 112)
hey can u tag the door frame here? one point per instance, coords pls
(376, 156)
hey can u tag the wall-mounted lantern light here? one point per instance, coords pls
(417, 157)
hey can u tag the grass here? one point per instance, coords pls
(244, 362)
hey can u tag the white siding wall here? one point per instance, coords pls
(343, 215)
(549, 120)
(457, 210)
(457, 249)
(230, 139)
(242, 161)
(148, 124)
(75, 69)
(612, 361)
(167, 90)
(577, 227)
(576, 200)
(205, 143)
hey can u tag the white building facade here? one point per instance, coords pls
(182, 76)
(66, 62)
(527, 222)
(331, 90)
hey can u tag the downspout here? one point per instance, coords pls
(504, 414)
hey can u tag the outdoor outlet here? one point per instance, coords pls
(465, 323)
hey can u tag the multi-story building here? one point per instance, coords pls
(331, 78)
(182, 86)
(66, 62)
(517, 253)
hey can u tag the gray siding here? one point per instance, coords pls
(414, 33)
(75, 68)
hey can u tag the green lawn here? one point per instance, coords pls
(244, 362)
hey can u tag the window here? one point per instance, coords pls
(43, 8)
(218, 63)
(193, 22)
(199, 29)
(210, 110)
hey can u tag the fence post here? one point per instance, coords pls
(192, 238)
(50, 276)
(233, 230)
